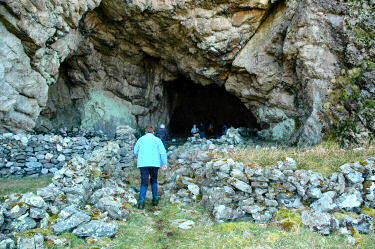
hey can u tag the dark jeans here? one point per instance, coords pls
(146, 174)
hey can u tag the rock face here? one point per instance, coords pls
(107, 62)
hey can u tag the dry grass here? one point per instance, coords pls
(325, 158)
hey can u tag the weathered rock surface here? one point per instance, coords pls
(37, 241)
(323, 223)
(96, 228)
(68, 219)
(96, 64)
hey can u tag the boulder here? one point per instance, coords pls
(37, 241)
(96, 228)
(362, 225)
(326, 203)
(70, 218)
(223, 213)
(351, 200)
(114, 207)
(320, 222)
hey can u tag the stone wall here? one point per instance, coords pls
(85, 197)
(36, 155)
(202, 171)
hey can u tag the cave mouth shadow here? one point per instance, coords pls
(192, 103)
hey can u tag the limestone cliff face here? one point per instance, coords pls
(106, 62)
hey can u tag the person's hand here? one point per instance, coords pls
(164, 167)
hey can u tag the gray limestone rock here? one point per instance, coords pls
(37, 241)
(350, 200)
(354, 177)
(223, 213)
(240, 185)
(1, 216)
(34, 200)
(37, 213)
(323, 223)
(361, 225)
(20, 224)
(69, 218)
(16, 211)
(253, 209)
(262, 218)
(114, 207)
(7, 244)
(326, 203)
(287, 163)
(96, 228)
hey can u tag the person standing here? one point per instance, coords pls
(202, 130)
(210, 130)
(162, 133)
(150, 153)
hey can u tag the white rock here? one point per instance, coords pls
(61, 158)
(48, 156)
(187, 224)
(59, 147)
(44, 171)
(24, 140)
(194, 189)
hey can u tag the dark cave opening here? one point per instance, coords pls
(193, 103)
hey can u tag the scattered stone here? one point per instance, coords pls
(114, 207)
(187, 225)
(361, 225)
(323, 223)
(20, 224)
(350, 201)
(69, 218)
(37, 241)
(33, 200)
(7, 243)
(326, 203)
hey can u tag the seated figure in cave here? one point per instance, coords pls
(194, 131)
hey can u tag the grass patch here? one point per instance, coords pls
(144, 229)
(325, 158)
(23, 185)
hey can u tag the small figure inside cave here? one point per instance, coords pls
(210, 130)
(162, 133)
(194, 131)
(202, 130)
(224, 129)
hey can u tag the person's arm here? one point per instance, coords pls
(136, 147)
(163, 155)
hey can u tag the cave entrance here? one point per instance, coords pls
(192, 103)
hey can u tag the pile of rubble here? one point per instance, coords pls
(86, 196)
(236, 191)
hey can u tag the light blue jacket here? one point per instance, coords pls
(150, 151)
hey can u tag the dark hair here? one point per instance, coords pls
(150, 129)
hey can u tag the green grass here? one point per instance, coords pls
(325, 158)
(22, 185)
(145, 230)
